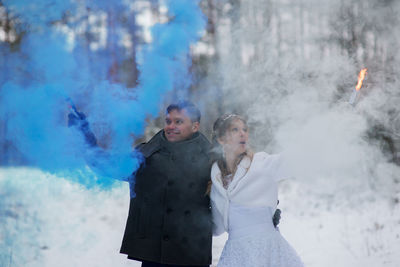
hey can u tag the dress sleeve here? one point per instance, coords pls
(281, 168)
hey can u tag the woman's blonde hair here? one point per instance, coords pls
(221, 126)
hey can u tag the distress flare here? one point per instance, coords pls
(361, 77)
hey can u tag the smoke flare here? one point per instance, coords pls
(33, 97)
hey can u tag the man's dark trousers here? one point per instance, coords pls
(154, 264)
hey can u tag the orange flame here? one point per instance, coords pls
(361, 77)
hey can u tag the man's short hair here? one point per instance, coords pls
(192, 111)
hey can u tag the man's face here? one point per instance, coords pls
(178, 126)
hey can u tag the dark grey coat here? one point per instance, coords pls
(169, 220)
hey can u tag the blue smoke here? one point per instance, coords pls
(47, 69)
(39, 13)
(167, 56)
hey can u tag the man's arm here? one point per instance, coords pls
(99, 160)
(78, 119)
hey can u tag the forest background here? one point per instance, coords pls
(288, 66)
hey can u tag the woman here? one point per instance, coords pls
(243, 195)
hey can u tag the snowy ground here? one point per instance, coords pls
(47, 221)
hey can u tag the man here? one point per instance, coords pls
(169, 221)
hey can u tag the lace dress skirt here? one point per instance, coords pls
(254, 241)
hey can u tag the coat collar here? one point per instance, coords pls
(180, 144)
(158, 141)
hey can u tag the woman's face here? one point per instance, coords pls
(235, 139)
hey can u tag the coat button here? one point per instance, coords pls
(169, 210)
(165, 237)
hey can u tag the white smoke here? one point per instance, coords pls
(278, 67)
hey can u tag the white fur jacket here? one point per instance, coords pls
(255, 183)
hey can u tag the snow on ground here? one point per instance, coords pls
(46, 221)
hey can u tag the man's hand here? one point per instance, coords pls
(78, 119)
(277, 217)
(75, 117)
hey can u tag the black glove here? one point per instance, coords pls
(277, 217)
(78, 119)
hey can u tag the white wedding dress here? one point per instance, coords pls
(254, 241)
(245, 211)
